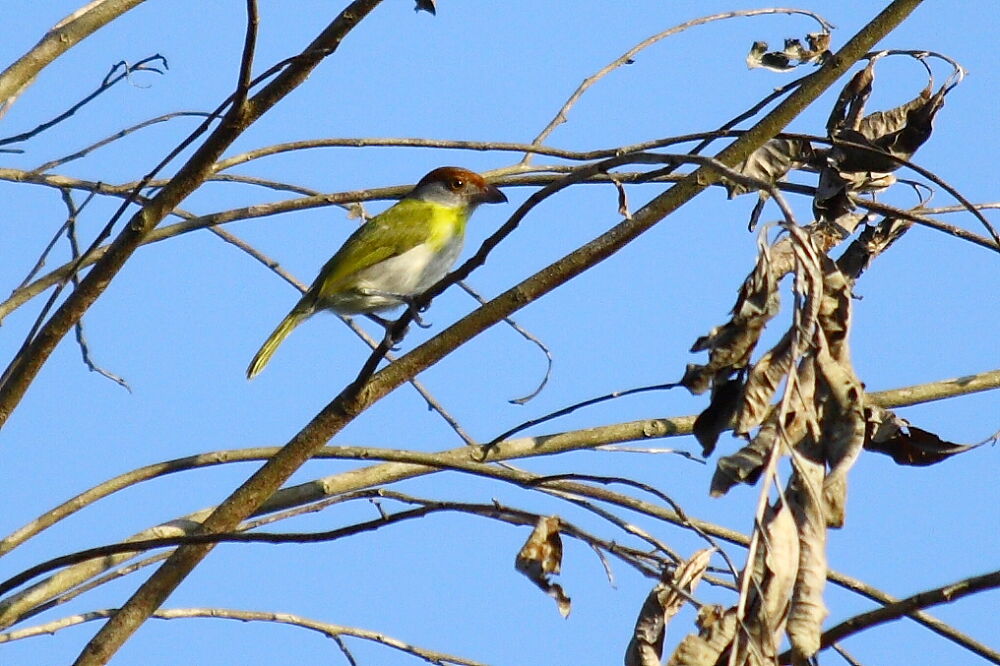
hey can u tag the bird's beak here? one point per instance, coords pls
(492, 194)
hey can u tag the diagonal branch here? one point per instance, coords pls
(903, 607)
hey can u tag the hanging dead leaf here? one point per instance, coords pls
(807, 610)
(772, 569)
(772, 162)
(904, 443)
(762, 383)
(731, 345)
(745, 465)
(850, 104)
(540, 556)
(869, 244)
(622, 199)
(714, 419)
(781, 547)
(666, 598)
(881, 123)
(883, 135)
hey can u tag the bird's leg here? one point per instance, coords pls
(387, 324)
(408, 300)
(411, 305)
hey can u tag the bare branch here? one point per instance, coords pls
(627, 58)
(63, 36)
(903, 607)
(334, 631)
(109, 81)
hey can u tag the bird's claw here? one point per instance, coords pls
(415, 311)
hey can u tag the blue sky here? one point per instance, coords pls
(184, 317)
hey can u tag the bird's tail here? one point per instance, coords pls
(266, 351)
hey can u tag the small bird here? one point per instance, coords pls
(394, 256)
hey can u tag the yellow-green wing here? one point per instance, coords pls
(405, 225)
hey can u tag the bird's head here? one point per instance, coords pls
(456, 187)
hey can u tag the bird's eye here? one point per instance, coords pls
(456, 184)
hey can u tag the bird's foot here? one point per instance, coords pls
(415, 311)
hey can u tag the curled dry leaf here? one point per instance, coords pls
(870, 243)
(662, 603)
(623, 209)
(731, 344)
(714, 419)
(807, 611)
(792, 55)
(839, 394)
(906, 444)
(781, 559)
(540, 556)
(762, 383)
(746, 465)
(772, 162)
(850, 105)
(772, 568)
(883, 135)
(716, 629)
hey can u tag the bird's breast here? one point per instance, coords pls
(406, 274)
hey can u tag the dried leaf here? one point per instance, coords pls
(771, 162)
(832, 200)
(428, 6)
(898, 132)
(807, 611)
(793, 55)
(819, 43)
(762, 383)
(622, 200)
(781, 541)
(731, 345)
(847, 110)
(869, 244)
(881, 123)
(662, 603)
(906, 444)
(745, 465)
(356, 211)
(713, 420)
(716, 629)
(540, 556)
(774, 566)
(840, 394)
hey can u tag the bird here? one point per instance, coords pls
(394, 256)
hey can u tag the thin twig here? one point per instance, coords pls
(330, 630)
(110, 79)
(614, 395)
(627, 58)
(83, 152)
(81, 338)
(527, 335)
